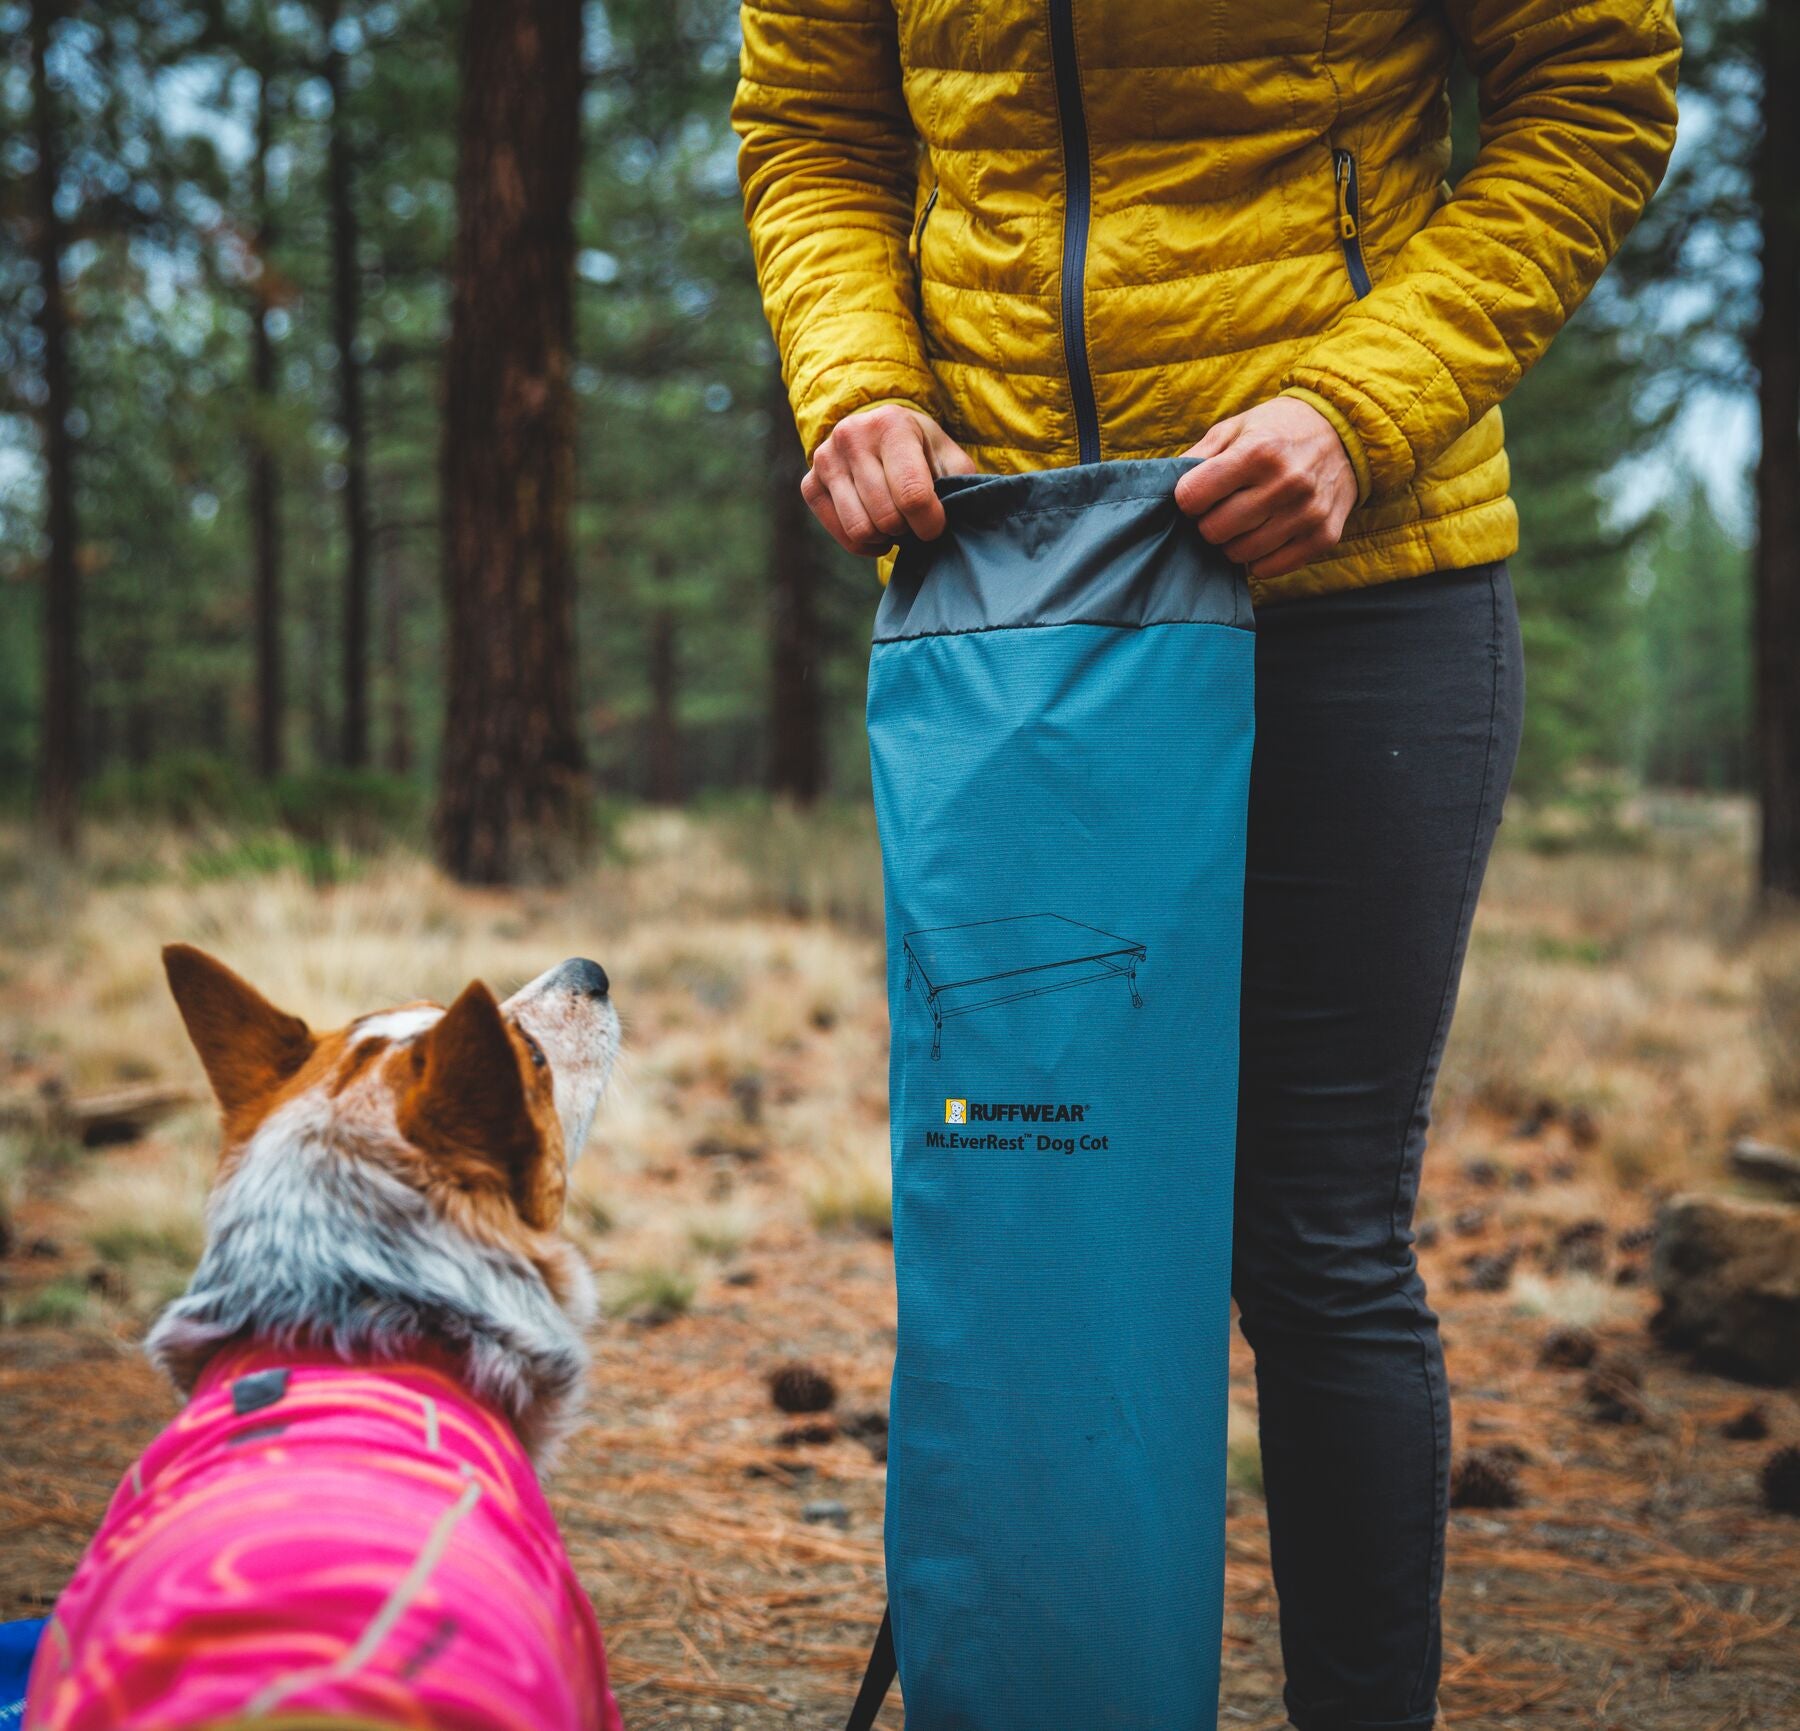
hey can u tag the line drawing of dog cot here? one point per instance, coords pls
(1020, 956)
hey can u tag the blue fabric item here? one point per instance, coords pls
(1060, 727)
(18, 1647)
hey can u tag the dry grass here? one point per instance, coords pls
(1621, 1020)
(850, 1185)
(1778, 977)
(146, 1216)
(1635, 987)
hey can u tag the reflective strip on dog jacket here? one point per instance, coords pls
(311, 1538)
(1060, 722)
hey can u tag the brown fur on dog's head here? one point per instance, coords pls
(473, 1093)
(473, 1112)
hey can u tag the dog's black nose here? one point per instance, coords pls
(581, 975)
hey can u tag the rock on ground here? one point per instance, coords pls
(1728, 1274)
(1777, 1169)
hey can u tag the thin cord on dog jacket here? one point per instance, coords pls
(310, 1537)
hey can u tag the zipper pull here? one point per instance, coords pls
(1341, 161)
(918, 233)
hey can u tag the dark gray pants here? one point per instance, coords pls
(1387, 724)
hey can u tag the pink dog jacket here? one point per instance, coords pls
(311, 1539)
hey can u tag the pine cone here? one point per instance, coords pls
(800, 1436)
(1750, 1424)
(1489, 1272)
(1613, 1389)
(800, 1388)
(1579, 1249)
(1484, 1479)
(1781, 1481)
(1567, 1349)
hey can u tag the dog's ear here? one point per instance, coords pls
(467, 1103)
(248, 1047)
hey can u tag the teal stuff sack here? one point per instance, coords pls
(1060, 725)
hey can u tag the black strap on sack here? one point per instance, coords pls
(877, 1679)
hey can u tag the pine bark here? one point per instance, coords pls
(346, 308)
(512, 790)
(397, 749)
(663, 753)
(60, 778)
(796, 703)
(1777, 355)
(265, 479)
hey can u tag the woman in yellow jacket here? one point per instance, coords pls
(1007, 236)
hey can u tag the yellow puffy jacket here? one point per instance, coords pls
(1076, 230)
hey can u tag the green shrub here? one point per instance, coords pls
(655, 1293)
(362, 809)
(181, 787)
(61, 1304)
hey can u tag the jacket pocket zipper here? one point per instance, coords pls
(918, 238)
(1349, 220)
(918, 251)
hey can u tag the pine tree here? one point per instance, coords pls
(1775, 348)
(511, 786)
(1694, 644)
(59, 786)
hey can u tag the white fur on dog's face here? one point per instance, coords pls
(568, 1011)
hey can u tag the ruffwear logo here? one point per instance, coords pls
(1014, 1112)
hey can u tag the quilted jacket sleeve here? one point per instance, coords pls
(828, 168)
(1577, 122)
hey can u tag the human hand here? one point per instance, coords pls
(872, 478)
(1275, 488)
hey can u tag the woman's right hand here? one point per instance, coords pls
(872, 479)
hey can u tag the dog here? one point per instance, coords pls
(381, 1344)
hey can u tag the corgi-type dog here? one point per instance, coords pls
(382, 1341)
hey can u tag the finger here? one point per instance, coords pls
(1217, 439)
(948, 457)
(852, 514)
(1219, 436)
(1301, 550)
(1241, 513)
(869, 478)
(911, 485)
(1274, 533)
(909, 481)
(818, 501)
(818, 498)
(1215, 478)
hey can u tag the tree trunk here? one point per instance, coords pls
(317, 622)
(60, 785)
(397, 755)
(346, 295)
(664, 753)
(512, 791)
(796, 703)
(1777, 355)
(265, 480)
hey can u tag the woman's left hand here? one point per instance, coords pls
(1274, 489)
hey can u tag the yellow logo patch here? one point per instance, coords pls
(956, 1111)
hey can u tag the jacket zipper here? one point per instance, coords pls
(1349, 220)
(1078, 183)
